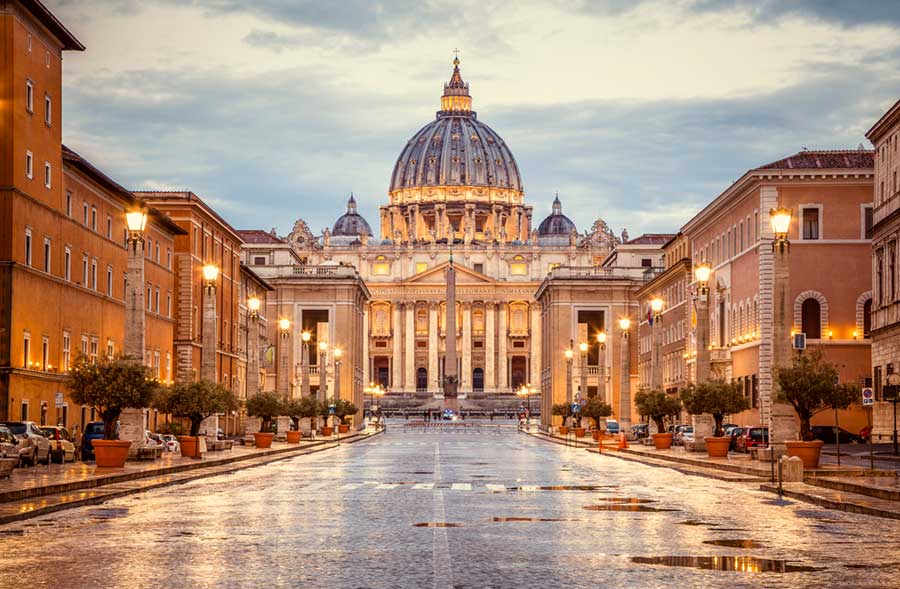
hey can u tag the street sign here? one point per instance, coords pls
(868, 396)
(331, 410)
(59, 400)
(576, 407)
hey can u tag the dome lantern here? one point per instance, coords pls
(456, 98)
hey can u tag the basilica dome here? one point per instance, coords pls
(456, 149)
(556, 223)
(351, 223)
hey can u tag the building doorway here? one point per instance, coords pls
(381, 370)
(518, 371)
(478, 379)
(422, 379)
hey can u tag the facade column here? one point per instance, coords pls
(132, 420)
(535, 359)
(502, 381)
(625, 384)
(466, 376)
(602, 389)
(490, 382)
(703, 352)
(433, 346)
(656, 372)
(409, 338)
(397, 355)
(367, 375)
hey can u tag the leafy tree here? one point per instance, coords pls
(656, 405)
(811, 385)
(297, 409)
(196, 401)
(267, 406)
(111, 385)
(343, 408)
(597, 409)
(715, 397)
(563, 410)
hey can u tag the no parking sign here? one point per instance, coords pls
(868, 396)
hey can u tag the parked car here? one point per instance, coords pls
(8, 444)
(152, 440)
(640, 430)
(685, 434)
(172, 444)
(727, 427)
(752, 437)
(612, 427)
(33, 446)
(92, 431)
(61, 447)
(826, 434)
(734, 433)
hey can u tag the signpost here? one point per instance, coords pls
(59, 400)
(890, 394)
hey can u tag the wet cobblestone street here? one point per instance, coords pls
(481, 507)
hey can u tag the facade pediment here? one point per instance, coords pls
(437, 275)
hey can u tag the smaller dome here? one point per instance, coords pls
(556, 223)
(351, 223)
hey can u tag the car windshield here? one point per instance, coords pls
(16, 428)
(49, 432)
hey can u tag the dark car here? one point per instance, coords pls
(92, 431)
(752, 437)
(734, 433)
(640, 430)
(826, 434)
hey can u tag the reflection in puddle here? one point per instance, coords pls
(530, 519)
(634, 500)
(437, 525)
(735, 543)
(626, 507)
(694, 522)
(743, 564)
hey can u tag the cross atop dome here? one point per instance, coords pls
(456, 97)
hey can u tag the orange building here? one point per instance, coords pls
(207, 239)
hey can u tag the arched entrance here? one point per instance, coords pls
(478, 379)
(422, 379)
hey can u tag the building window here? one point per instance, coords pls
(66, 351)
(868, 221)
(110, 348)
(47, 255)
(28, 247)
(259, 260)
(68, 203)
(381, 266)
(94, 274)
(24, 410)
(68, 265)
(29, 165)
(95, 345)
(26, 350)
(93, 218)
(646, 263)
(157, 252)
(84, 271)
(29, 96)
(48, 176)
(168, 258)
(108, 227)
(149, 298)
(28, 43)
(157, 301)
(478, 268)
(811, 319)
(48, 110)
(421, 267)
(85, 213)
(169, 305)
(84, 346)
(109, 281)
(518, 267)
(810, 220)
(867, 317)
(892, 265)
(45, 353)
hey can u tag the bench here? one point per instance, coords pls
(149, 452)
(6, 467)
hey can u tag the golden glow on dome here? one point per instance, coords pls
(456, 93)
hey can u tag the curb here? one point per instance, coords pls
(833, 504)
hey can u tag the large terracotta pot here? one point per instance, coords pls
(264, 439)
(808, 452)
(662, 441)
(563, 430)
(717, 447)
(111, 453)
(343, 428)
(190, 446)
(327, 431)
(580, 432)
(293, 437)
(597, 434)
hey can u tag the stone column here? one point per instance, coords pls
(602, 389)
(502, 381)
(466, 377)
(535, 335)
(625, 385)
(782, 424)
(132, 420)
(208, 353)
(283, 376)
(433, 346)
(490, 382)
(409, 338)
(703, 353)
(397, 355)
(656, 372)
(367, 376)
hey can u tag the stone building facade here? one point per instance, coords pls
(885, 300)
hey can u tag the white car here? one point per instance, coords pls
(172, 444)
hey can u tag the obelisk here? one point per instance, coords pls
(451, 377)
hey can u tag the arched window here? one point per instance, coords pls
(811, 319)
(867, 317)
(477, 379)
(422, 379)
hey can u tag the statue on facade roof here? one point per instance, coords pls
(601, 236)
(300, 236)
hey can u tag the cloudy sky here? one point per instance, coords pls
(635, 111)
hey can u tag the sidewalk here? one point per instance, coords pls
(39, 490)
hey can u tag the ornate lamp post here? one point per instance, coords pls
(284, 335)
(701, 275)
(601, 361)
(525, 392)
(304, 360)
(582, 387)
(254, 304)
(337, 353)
(323, 371)
(656, 375)
(209, 348)
(569, 353)
(132, 420)
(625, 387)
(780, 417)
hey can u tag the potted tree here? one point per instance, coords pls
(657, 405)
(810, 384)
(325, 413)
(717, 398)
(297, 409)
(343, 409)
(266, 406)
(562, 410)
(596, 409)
(195, 401)
(111, 385)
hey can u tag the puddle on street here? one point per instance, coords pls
(530, 519)
(693, 522)
(636, 507)
(633, 500)
(749, 544)
(741, 564)
(436, 525)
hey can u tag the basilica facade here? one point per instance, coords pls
(455, 191)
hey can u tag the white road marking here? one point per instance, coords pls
(387, 486)
(423, 486)
(460, 487)
(351, 486)
(496, 488)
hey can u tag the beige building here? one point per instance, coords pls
(885, 300)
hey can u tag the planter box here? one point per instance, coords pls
(293, 437)
(662, 441)
(563, 430)
(111, 453)
(263, 439)
(190, 446)
(717, 447)
(808, 452)
(344, 429)
(580, 432)
(327, 431)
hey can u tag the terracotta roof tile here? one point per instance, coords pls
(651, 239)
(825, 160)
(258, 236)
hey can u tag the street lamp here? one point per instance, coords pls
(781, 221)
(701, 274)
(525, 392)
(132, 421)
(284, 332)
(284, 326)
(337, 352)
(253, 306)
(656, 305)
(136, 221)
(601, 362)
(569, 353)
(304, 360)
(625, 385)
(656, 377)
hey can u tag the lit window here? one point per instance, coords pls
(381, 267)
(518, 267)
(67, 351)
(421, 267)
